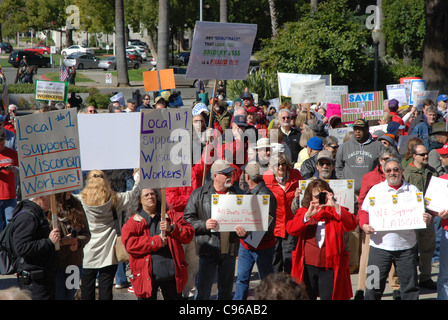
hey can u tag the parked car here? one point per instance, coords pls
(134, 55)
(181, 80)
(136, 42)
(110, 63)
(82, 61)
(142, 50)
(6, 47)
(76, 48)
(32, 58)
(40, 49)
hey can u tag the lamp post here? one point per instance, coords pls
(376, 34)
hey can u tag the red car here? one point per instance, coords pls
(40, 49)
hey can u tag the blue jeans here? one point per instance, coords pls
(439, 233)
(120, 276)
(442, 280)
(208, 265)
(6, 209)
(246, 261)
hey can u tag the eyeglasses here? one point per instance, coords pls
(393, 169)
(228, 174)
(334, 146)
(328, 164)
(422, 154)
(443, 156)
(286, 118)
(281, 164)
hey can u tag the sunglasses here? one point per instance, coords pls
(422, 154)
(281, 164)
(393, 169)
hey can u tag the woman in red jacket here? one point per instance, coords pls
(156, 260)
(283, 181)
(320, 260)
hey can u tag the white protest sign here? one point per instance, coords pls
(285, 80)
(51, 90)
(333, 94)
(403, 211)
(436, 194)
(49, 153)
(248, 211)
(109, 140)
(343, 190)
(308, 91)
(221, 50)
(382, 127)
(165, 148)
(398, 92)
(340, 133)
(416, 85)
(421, 96)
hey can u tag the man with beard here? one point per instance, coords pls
(217, 250)
(419, 173)
(423, 129)
(325, 166)
(387, 247)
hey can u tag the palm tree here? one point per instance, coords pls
(163, 38)
(122, 70)
(274, 22)
(223, 11)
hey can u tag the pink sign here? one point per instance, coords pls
(333, 109)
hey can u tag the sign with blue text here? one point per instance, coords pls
(165, 148)
(49, 153)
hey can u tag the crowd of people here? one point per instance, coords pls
(247, 147)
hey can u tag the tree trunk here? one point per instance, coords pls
(68, 37)
(435, 46)
(223, 11)
(163, 35)
(274, 22)
(122, 70)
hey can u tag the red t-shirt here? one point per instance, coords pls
(7, 180)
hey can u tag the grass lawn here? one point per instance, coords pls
(54, 76)
(134, 75)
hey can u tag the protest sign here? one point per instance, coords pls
(403, 211)
(420, 97)
(436, 194)
(366, 105)
(398, 92)
(407, 83)
(248, 211)
(416, 85)
(159, 80)
(49, 153)
(382, 127)
(165, 148)
(333, 109)
(333, 94)
(118, 97)
(343, 190)
(285, 80)
(340, 133)
(103, 145)
(51, 90)
(403, 141)
(308, 91)
(221, 50)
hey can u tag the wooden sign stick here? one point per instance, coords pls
(163, 208)
(209, 126)
(54, 216)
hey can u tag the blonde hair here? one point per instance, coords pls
(307, 134)
(97, 190)
(14, 293)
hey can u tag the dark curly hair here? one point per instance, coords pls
(315, 184)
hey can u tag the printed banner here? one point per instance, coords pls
(165, 148)
(402, 211)
(221, 50)
(51, 90)
(248, 211)
(49, 153)
(366, 105)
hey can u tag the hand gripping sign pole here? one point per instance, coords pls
(210, 120)
(163, 208)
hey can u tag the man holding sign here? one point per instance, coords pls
(391, 246)
(217, 250)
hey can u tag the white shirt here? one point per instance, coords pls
(391, 240)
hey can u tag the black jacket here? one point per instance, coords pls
(31, 240)
(197, 212)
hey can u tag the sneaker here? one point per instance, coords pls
(396, 295)
(359, 295)
(131, 289)
(122, 286)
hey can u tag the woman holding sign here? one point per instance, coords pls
(321, 259)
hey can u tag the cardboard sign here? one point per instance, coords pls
(420, 97)
(248, 211)
(402, 211)
(159, 80)
(340, 133)
(416, 86)
(343, 190)
(366, 105)
(165, 148)
(51, 90)
(308, 91)
(333, 94)
(398, 92)
(436, 194)
(103, 145)
(49, 153)
(333, 109)
(221, 50)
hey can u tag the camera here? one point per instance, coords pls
(74, 233)
(322, 198)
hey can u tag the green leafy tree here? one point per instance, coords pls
(328, 41)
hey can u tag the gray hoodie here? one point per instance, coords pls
(354, 159)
